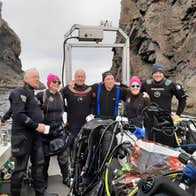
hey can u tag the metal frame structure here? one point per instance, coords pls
(82, 44)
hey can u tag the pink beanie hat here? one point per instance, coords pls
(135, 79)
(52, 77)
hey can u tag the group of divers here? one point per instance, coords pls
(39, 132)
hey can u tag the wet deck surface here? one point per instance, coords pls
(55, 179)
(55, 184)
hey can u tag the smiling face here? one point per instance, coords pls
(135, 88)
(54, 86)
(80, 77)
(158, 76)
(109, 82)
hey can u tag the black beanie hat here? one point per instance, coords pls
(158, 67)
(107, 73)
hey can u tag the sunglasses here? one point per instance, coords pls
(56, 82)
(135, 86)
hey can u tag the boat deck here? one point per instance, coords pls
(55, 184)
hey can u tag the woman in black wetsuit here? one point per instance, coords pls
(136, 101)
(53, 107)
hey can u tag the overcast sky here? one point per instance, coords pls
(41, 25)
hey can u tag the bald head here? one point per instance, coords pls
(31, 77)
(80, 77)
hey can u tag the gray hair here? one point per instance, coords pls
(28, 72)
(80, 70)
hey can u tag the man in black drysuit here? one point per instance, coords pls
(26, 139)
(106, 96)
(79, 102)
(161, 91)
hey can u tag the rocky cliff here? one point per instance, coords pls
(161, 31)
(10, 64)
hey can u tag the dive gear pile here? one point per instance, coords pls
(108, 159)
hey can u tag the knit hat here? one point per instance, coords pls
(52, 77)
(105, 74)
(158, 67)
(135, 79)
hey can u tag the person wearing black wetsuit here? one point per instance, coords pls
(79, 102)
(25, 135)
(135, 102)
(107, 95)
(52, 104)
(162, 90)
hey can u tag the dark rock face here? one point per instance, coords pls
(10, 64)
(161, 31)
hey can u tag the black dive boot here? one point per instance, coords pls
(65, 174)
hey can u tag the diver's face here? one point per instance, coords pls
(109, 82)
(157, 76)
